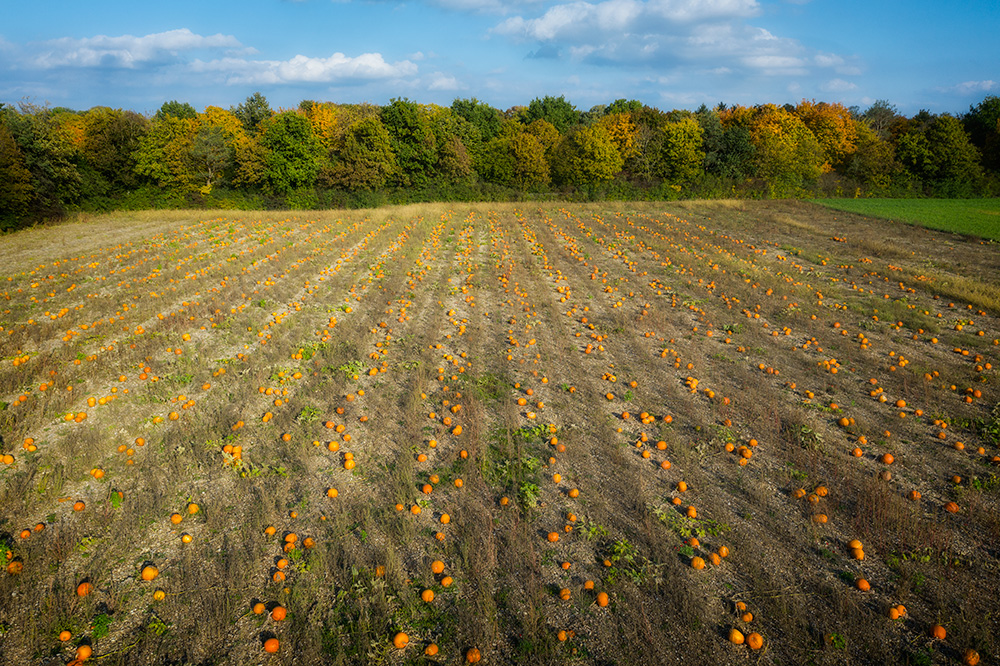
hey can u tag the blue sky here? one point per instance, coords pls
(666, 53)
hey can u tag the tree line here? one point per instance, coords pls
(322, 154)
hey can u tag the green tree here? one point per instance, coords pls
(736, 154)
(517, 158)
(594, 114)
(879, 117)
(649, 123)
(937, 151)
(555, 110)
(413, 141)
(624, 106)
(181, 110)
(253, 112)
(209, 155)
(957, 163)
(111, 137)
(681, 153)
(982, 123)
(453, 163)
(364, 160)
(487, 120)
(291, 153)
(873, 164)
(50, 155)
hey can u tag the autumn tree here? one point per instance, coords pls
(786, 154)
(834, 128)
(517, 158)
(16, 190)
(325, 123)
(873, 164)
(622, 130)
(587, 157)
(545, 132)
(681, 155)
(164, 153)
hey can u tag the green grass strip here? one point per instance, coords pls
(970, 217)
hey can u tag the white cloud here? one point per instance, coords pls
(828, 59)
(776, 65)
(712, 35)
(124, 51)
(441, 81)
(303, 69)
(971, 87)
(580, 20)
(837, 86)
(484, 6)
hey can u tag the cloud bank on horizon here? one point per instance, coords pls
(666, 53)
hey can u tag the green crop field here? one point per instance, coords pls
(971, 217)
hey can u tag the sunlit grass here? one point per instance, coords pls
(972, 217)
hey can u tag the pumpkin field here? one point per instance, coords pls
(719, 432)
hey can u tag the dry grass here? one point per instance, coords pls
(479, 307)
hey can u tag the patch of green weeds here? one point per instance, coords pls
(626, 563)
(795, 473)
(527, 495)
(686, 527)
(591, 530)
(489, 387)
(309, 414)
(351, 369)
(101, 626)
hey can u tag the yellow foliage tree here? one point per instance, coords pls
(325, 125)
(787, 154)
(834, 129)
(623, 132)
